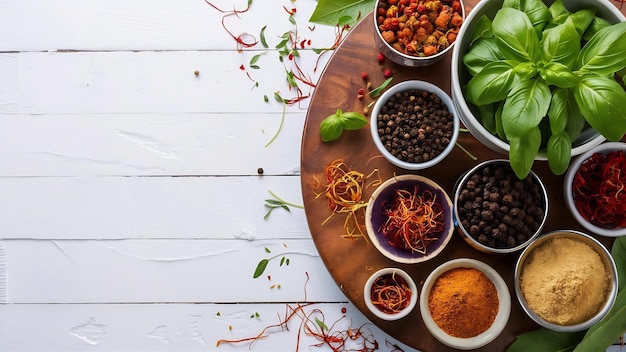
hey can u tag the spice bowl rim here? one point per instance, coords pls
(606, 258)
(401, 87)
(499, 323)
(375, 236)
(471, 240)
(404, 59)
(603, 148)
(387, 316)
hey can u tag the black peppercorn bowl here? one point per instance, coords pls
(495, 211)
(376, 218)
(414, 125)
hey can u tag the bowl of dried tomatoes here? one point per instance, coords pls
(409, 219)
(595, 189)
(417, 33)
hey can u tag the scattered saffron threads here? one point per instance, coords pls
(312, 323)
(414, 219)
(243, 40)
(390, 293)
(344, 193)
(599, 189)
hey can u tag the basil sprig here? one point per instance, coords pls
(333, 125)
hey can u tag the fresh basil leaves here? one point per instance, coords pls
(534, 66)
(333, 125)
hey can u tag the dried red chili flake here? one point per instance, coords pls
(599, 189)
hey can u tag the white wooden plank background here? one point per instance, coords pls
(132, 211)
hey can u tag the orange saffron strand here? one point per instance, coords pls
(390, 293)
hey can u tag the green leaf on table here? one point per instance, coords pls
(374, 93)
(262, 35)
(333, 12)
(544, 340)
(260, 268)
(618, 252)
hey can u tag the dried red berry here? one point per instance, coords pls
(387, 73)
(381, 58)
(364, 75)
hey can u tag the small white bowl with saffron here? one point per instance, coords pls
(595, 189)
(465, 303)
(390, 294)
(409, 219)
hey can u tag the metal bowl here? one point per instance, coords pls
(607, 260)
(465, 232)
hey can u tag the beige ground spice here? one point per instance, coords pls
(564, 281)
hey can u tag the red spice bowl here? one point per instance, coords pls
(390, 294)
(465, 303)
(409, 219)
(595, 189)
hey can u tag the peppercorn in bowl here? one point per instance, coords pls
(390, 294)
(417, 33)
(409, 219)
(495, 211)
(465, 303)
(566, 281)
(595, 189)
(414, 125)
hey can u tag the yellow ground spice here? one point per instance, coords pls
(463, 302)
(564, 281)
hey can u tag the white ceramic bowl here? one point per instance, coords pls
(459, 75)
(375, 310)
(604, 255)
(406, 59)
(401, 87)
(374, 218)
(603, 148)
(498, 325)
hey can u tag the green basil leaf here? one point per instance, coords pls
(526, 70)
(482, 52)
(557, 74)
(332, 12)
(491, 84)
(545, 340)
(487, 115)
(583, 18)
(558, 12)
(499, 128)
(537, 12)
(260, 268)
(526, 105)
(514, 4)
(559, 150)
(523, 150)
(482, 29)
(561, 44)
(605, 53)
(618, 252)
(515, 35)
(601, 101)
(597, 24)
(331, 127)
(353, 120)
(608, 330)
(557, 112)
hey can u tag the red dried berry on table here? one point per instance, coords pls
(381, 58)
(387, 73)
(364, 75)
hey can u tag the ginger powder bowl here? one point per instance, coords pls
(566, 281)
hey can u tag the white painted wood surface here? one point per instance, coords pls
(132, 210)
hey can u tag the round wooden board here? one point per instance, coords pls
(351, 261)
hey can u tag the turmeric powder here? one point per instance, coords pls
(463, 302)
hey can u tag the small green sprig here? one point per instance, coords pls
(277, 202)
(262, 265)
(332, 126)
